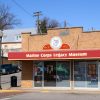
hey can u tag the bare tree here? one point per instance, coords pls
(53, 23)
(48, 23)
(7, 19)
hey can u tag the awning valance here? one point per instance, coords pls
(44, 55)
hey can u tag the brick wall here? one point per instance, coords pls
(76, 39)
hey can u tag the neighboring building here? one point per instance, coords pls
(11, 41)
(64, 58)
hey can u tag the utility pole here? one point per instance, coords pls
(1, 34)
(37, 14)
(65, 25)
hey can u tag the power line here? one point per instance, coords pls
(22, 8)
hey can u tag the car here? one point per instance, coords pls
(9, 69)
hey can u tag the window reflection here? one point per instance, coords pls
(85, 74)
(52, 74)
(38, 74)
(62, 74)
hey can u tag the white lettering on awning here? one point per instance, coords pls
(77, 54)
(32, 55)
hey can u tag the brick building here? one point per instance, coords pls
(64, 58)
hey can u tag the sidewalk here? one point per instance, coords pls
(23, 90)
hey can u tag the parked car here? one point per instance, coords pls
(9, 69)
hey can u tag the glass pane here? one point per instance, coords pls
(92, 75)
(49, 73)
(99, 74)
(38, 74)
(79, 74)
(86, 74)
(62, 74)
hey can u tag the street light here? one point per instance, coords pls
(1, 34)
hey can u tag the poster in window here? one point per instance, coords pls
(91, 69)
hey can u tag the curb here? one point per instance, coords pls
(8, 91)
(51, 91)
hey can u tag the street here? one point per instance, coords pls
(53, 96)
(4, 95)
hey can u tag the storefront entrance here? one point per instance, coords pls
(67, 74)
(52, 74)
(73, 69)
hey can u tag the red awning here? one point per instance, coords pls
(46, 55)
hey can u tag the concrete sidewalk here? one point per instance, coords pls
(19, 89)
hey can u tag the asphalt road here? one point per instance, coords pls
(9, 94)
(53, 96)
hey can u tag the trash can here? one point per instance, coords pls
(14, 81)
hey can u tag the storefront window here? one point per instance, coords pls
(86, 74)
(92, 75)
(79, 74)
(51, 74)
(38, 74)
(62, 74)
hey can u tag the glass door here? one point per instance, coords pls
(38, 74)
(57, 74)
(50, 74)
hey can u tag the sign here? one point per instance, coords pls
(63, 46)
(56, 42)
(44, 55)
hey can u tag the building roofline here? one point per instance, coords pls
(59, 28)
(26, 33)
(64, 28)
(10, 42)
(91, 31)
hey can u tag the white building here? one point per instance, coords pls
(11, 40)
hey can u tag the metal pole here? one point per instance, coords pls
(37, 14)
(38, 23)
(0, 57)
